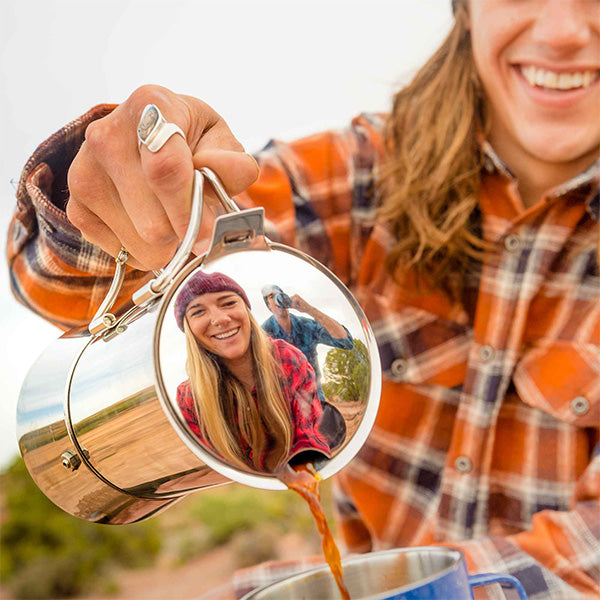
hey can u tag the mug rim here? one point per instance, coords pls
(446, 550)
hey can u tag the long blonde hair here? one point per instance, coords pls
(430, 179)
(227, 411)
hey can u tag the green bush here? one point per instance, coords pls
(47, 553)
(51, 577)
(347, 373)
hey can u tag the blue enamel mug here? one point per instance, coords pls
(421, 573)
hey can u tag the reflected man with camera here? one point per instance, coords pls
(306, 333)
(303, 332)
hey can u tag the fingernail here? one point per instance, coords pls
(255, 163)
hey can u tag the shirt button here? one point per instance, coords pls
(580, 405)
(486, 354)
(463, 464)
(512, 242)
(399, 367)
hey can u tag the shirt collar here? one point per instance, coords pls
(591, 176)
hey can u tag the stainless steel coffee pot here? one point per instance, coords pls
(99, 425)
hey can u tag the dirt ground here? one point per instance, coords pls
(203, 578)
(163, 582)
(352, 413)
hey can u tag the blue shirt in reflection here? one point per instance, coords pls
(306, 334)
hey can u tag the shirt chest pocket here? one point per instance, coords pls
(419, 347)
(562, 379)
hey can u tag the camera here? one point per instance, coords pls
(282, 300)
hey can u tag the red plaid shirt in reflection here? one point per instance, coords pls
(488, 429)
(300, 391)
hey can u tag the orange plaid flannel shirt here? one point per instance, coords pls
(487, 437)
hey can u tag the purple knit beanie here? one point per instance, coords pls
(204, 283)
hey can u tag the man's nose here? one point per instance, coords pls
(562, 26)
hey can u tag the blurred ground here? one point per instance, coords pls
(197, 576)
(194, 546)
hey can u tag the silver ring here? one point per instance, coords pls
(153, 130)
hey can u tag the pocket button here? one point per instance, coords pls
(512, 242)
(463, 464)
(399, 368)
(486, 354)
(580, 405)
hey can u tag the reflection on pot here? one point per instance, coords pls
(254, 396)
(251, 399)
(249, 392)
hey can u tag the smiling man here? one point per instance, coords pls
(539, 63)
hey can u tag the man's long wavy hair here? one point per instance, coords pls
(227, 411)
(431, 177)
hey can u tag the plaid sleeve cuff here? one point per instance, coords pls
(559, 557)
(53, 270)
(501, 555)
(42, 196)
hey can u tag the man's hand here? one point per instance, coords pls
(124, 196)
(331, 325)
(300, 304)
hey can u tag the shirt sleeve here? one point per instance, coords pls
(318, 194)
(185, 402)
(322, 336)
(559, 557)
(305, 406)
(53, 270)
(269, 328)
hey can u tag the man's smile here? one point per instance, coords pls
(558, 80)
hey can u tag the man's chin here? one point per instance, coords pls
(562, 147)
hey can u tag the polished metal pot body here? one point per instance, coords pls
(99, 427)
(93, 432)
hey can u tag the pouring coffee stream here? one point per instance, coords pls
(304, 480)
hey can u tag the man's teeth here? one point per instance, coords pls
(557, 81)
(227, 334)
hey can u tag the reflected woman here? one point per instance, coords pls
(250, 399)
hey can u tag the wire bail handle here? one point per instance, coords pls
(104, 319)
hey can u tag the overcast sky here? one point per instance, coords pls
(277, 68)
